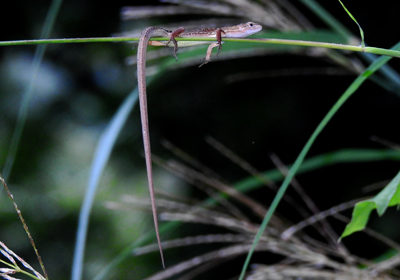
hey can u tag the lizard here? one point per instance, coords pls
(237, 31)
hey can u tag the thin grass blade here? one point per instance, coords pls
(393, 78)
(354, 19)
(23, 110)
(101, 156)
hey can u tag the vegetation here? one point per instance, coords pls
(68, 135)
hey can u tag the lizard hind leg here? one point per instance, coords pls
(219, 36)
(214, 45)
(172, 36)
(207, 59)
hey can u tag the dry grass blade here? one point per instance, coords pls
(281, 272)
(211, 256)
(5, 271)
(194, 176)
(29, 236)
(318, 216)
(6, 254)
(208, 173)
(239, 161)
(324, 229)
(28, 266)
(6, 276)
(308, 258)
(254, 172)
(216, 219)
(129, 13)
(288, 233)
(9, 254)
(387, 264)
(189, 159)
(195, 240)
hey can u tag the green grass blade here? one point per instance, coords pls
(320, 161)
(392, 81)
(326, 17)
(101, 156)
(354, 19)
(346, 95)
(23, 110)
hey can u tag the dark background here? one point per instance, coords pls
(80, 87)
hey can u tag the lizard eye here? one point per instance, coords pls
(251, 24)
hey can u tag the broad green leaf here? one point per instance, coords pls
(389, 196)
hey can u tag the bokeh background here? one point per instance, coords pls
(274, 109)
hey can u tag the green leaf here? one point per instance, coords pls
(389, 196)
